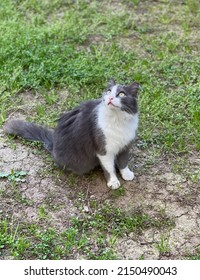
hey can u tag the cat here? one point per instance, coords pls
(97, 132)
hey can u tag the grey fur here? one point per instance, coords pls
(122, 158)
(30, 131)
(76, 141)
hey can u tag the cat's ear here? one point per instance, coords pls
(133, 88)
(111, 82)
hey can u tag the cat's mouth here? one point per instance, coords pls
(110, 103)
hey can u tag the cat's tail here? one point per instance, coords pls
(30, 131)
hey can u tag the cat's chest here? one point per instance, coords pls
(119, 129)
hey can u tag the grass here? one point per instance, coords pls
(54, 54)
(52, 50)
(55, 46)
(163, 246)
(196, 256)
(100, 230)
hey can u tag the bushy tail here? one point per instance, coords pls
(30, 131)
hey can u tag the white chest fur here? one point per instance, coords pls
(118, 127)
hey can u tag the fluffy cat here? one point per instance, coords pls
(96, 132)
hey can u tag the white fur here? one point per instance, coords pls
(119, 129)
(116, 101)
(108, 163)
(127, 174)
(113, 183)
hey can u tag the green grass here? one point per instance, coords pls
(47, 46)
(99, 229)
(196, 256)
(62, 52)
(163, 246)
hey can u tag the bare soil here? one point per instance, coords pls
(156, 190)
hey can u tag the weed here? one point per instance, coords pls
(45, 246)
(14, 176)
(119, 192)
(193, 6)
(10, 239)
(196, 256)
(163, 246)
(42, 212)
(116, 222)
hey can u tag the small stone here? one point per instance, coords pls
(86, 208)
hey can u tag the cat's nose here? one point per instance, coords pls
(111, 98)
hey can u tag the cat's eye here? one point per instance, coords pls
(121, 94)
(108, 91)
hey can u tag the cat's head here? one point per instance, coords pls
(121, 97)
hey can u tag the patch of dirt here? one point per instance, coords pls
(23, 200)
(156, 190)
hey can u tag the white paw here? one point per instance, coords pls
(127, 174)
(113, 183)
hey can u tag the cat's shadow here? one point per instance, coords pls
(92, 186)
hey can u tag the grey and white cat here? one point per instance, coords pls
(96, 132)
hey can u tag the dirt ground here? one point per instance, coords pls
(157, 189)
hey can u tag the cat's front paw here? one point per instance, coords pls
(113, 184)
(127, 174)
